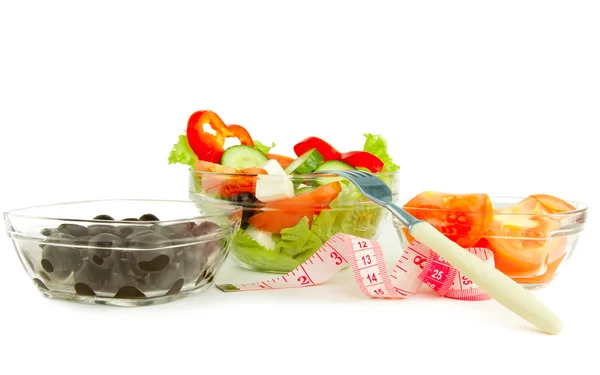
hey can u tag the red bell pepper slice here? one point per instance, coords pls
(363, 159)
(207, 146)
(324, 148)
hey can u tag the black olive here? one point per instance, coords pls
(93, 276)
(149, 217)
(96, 229)
(74, 230)
(104, 242)
(205, 227)
(104, 217)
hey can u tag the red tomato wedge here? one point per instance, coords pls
(226, 186)
(325, 149)
(283, 160)
(286, 213)
(363, 159)
(463, 218)
(318, 198)
(553, 204)
(277, 220)
(519, 236)
(210, 147)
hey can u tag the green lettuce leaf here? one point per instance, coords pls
(326, 224)
(350, 213)
(298, 239)
(377, 145)
(253, 254)
(293, 247)
(182, 153)
(262, 147)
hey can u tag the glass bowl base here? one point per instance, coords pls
(121, 302)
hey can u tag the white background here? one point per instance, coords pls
(473, 96)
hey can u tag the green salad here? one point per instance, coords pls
(289, 212)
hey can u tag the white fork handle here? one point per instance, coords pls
(496, 284)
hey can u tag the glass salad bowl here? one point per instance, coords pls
(532, 237)
(123, 252)
(280, 231)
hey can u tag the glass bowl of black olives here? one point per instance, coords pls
(123, 252)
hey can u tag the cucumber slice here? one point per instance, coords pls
(332, 165)
(306, 163)
(242, 156)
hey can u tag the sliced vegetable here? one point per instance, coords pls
(285, 213)
(463, 218)
(306, 163)
(520, 238)
(332, 165)
(207, 146)
(275, 221)
(315, 199)
(225, 182)
(553, 204)
(283, 160)
(325, 149)
(242, 157)
(363, 159)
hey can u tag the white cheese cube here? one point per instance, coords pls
(273, 187)
(273, 167)
(264, 239)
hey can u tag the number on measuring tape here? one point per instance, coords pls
(303, 280)
(337, 257)
(466, 281)
(437, 274)
(419, 261)
(366, 260)
(372, 278)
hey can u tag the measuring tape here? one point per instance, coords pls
(418, 265)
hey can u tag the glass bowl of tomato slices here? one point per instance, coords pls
(287, 218)
(532, 237)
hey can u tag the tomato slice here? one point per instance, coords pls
(245, 183)
(553, 204)
(315, 199)
(226, 186)
(286, 213)
(325, 149)
(277, 220)
(283, 160)
(520, 238)
(463, 218)
(206, 166)
(207, 146)
(363, 159)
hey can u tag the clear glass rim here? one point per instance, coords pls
(225, 210)
(293, 176)
(494, 198)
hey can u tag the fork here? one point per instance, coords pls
(496, 284)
